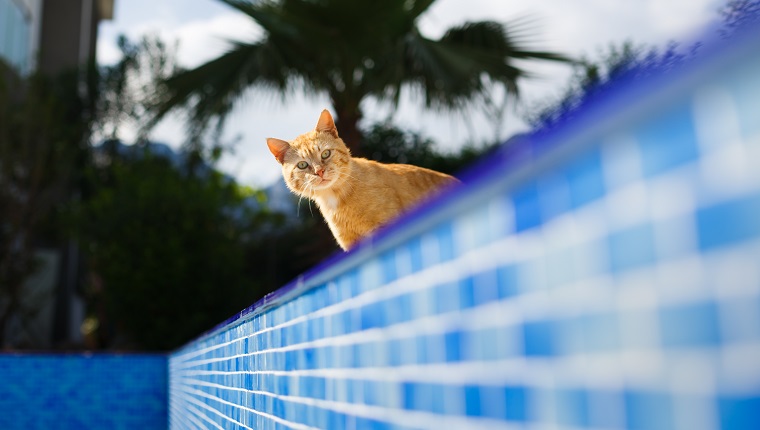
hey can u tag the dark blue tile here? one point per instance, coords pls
(409, 390)
(373, 316)
(739, 413)
(727, 223)
(453, 342)
(472, 400)
(527, 207)
(538, 337)
(515, 403)
(466, 293)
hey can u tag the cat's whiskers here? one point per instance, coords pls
(311, 192)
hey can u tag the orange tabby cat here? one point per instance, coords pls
(355, 195)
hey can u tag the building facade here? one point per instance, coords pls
(50, 35)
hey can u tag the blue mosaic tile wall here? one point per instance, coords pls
(601, 275)
(82, 392)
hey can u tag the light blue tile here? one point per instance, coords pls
(668, 141)
(631, 248)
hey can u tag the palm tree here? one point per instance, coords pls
(352, 50)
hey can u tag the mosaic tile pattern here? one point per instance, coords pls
(610, 282)
(82, 392)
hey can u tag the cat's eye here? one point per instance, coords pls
(325, 153)
(302, 164)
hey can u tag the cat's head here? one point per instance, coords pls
(314, 161)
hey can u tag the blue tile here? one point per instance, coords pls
(472, 400)
(370, 424)
(668, 141)
(507, 281)
(690, 325)
(585, 179)
(730, 222)
(409, 390)
(492, 402)
(485, 287)
(388, 265)
(447, 297)
(739, 413)
(466, 293)
(527, 207)
(648, 411)
(415, 254)
(539, 338)
(631, 248)
(515, 403)
(373, 316)
(554, 196)
(572, 408)
(453, 342)
(600, 332)
(445, 236)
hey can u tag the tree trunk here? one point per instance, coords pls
(347, 122)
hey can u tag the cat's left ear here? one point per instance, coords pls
(326, 123)
(278, 148)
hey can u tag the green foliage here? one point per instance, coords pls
(386, 143)
(169, 248)
(126, 89)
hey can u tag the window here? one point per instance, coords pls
(14, 34)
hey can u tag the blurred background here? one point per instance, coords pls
(139, 205)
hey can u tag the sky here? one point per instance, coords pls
(202, 29)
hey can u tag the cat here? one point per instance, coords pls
(354, 195)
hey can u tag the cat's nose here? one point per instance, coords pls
(320, 171)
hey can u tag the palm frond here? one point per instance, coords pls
(212, 88)
(461, 66)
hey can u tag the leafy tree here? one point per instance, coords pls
(167, 248)
(353, 50)
(389, 144)
(126, 87)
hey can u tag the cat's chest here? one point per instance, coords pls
(328, 203)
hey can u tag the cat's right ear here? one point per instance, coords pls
(326, 123)
(278, 148)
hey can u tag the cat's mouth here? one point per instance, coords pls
(322, 183)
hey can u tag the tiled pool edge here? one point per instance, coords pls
(326, 351)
